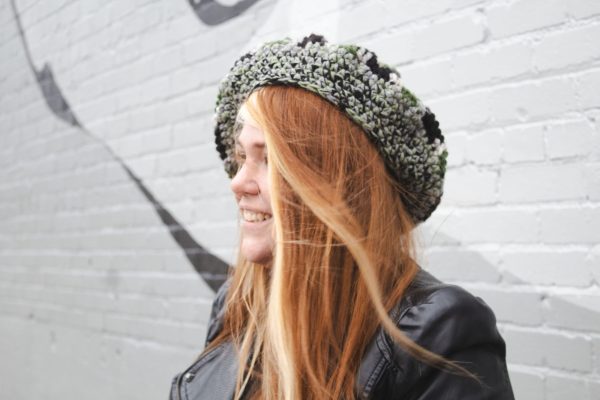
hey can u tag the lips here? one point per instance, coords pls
(256, 227)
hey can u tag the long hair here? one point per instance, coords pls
(344, 255)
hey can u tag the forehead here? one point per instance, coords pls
(249, 134)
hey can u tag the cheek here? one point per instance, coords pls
(265, 188)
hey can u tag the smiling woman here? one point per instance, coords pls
(251, 189)
(333, 166)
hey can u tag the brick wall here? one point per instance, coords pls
(107, 163)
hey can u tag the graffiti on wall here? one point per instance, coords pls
(211, 268)
(212, 12)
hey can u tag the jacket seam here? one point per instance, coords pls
(376, 373)
(385, 348)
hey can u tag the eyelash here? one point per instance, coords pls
(241, 157)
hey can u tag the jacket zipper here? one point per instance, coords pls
(196, 363)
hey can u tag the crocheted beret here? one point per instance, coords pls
(405, 132)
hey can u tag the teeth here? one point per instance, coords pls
(252, 216)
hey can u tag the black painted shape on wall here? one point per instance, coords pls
(45, 79)
(211, 268)
(53, 96)
(213, 13)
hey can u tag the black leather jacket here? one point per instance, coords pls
(443, 318)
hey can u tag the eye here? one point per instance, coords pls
(240, 157)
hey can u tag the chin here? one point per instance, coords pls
(260, 259)
(259, 255)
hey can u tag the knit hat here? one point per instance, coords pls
(405, 132)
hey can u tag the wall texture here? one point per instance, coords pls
(116, 221)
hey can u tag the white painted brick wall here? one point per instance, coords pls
(94, 290)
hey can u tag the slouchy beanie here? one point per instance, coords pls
(404, 131)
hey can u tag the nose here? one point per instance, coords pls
(244, 182)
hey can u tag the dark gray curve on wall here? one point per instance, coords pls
(213, 13)
(53, 96)
(45, 79)
(211, 268)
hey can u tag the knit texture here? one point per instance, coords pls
(405, 132)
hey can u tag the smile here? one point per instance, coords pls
(251, 216)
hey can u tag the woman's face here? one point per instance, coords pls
(251, 189)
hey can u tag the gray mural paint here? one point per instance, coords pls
(491, 274)
(213, 13)
(45, 79)
(211, 268)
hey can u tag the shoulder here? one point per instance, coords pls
(221, 294)
(441, 316)
(450, 321)
(215, 321)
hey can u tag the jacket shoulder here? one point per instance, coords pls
(215, 321)
(442, 316)
(451, 322)
(436, 314)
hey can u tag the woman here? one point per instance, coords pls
(333, 164)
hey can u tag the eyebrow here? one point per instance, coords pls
(258, 145)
